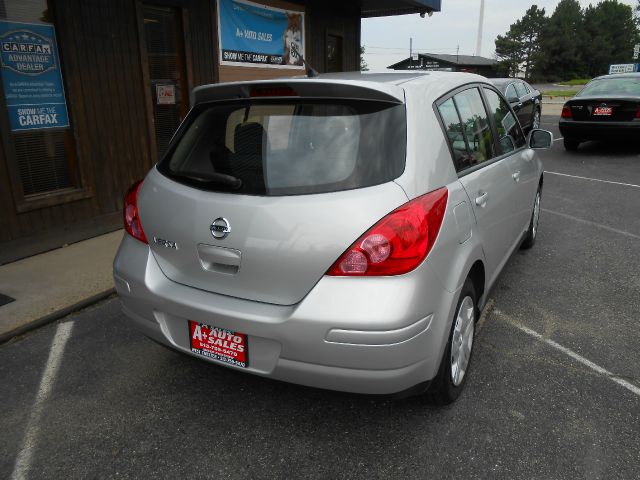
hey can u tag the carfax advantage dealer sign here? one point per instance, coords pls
(31, 76)
(259, 36)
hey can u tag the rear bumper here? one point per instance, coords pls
(384, 337)
(599, 130)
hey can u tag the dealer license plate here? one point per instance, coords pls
(603, 111)
(218, 343)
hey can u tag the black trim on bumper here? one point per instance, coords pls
(599, 130)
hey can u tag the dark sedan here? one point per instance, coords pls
(525, 100)
(607, 108)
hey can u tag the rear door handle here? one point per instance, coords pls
(481, 201)
(516, 176)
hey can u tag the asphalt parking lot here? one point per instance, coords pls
(554, 390)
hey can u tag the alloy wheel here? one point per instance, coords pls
(536, 119)
(536, 215)
(462, 340)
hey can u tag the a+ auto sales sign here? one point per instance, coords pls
(31, 76)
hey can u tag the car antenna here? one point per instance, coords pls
(311, 72)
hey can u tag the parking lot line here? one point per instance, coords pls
(23, 459)
(593, 224)
(558, 139)
(567, 351)
(484, 314)
(593, 179)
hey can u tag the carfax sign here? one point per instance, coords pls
(31, 76)
(259, 36)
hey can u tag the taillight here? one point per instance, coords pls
(566, 112)
(638, 113)
(399, 242)
(131, 215)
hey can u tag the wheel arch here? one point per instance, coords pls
(478, 278)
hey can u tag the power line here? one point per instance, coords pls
(405, 48)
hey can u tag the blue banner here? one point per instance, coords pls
(256, 35)
(31, 76)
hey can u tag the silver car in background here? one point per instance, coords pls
(340, 232)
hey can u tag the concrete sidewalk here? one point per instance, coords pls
(552, 106)
(55, 283)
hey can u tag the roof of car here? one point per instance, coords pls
(389, 84)
(400, 77)
(503, 81)
(395, 78)
(618, 75)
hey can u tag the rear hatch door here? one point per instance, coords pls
(258, 197)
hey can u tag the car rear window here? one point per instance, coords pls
(625, 86)
(521, 89)
(297, 147)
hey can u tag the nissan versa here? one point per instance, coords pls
(340, 231)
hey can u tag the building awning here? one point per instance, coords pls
(383, 8)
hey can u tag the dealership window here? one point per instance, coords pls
(37, 136)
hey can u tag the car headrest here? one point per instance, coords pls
(249, 138)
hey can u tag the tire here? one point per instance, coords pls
(571, 144)
(532, 232)
(452, 375)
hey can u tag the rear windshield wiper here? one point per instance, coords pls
(220, 178)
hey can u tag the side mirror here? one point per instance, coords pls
(513, 100)
(540, 139)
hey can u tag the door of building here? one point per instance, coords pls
(167, 79)
(334, 53)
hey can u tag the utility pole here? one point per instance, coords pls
(480, 24)
(410, 52)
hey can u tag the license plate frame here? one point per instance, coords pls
(603, 111)
(220, 344)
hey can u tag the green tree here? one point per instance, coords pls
(610, 32)
(519, 47)
(363, 64)
(508, 53)
(561, 44)
(530, 27)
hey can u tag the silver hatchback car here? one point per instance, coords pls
(340, 232)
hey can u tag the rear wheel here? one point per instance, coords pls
(571, 144)
(536, 119)
(454, 366)
(532, 233)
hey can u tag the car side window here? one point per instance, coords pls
(510, 136)
(526, 88)
(520, 88)
(511, 91)
(475, 126)
(455, 134)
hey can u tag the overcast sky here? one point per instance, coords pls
(387, 38)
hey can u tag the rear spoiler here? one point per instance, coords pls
(299, 88)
